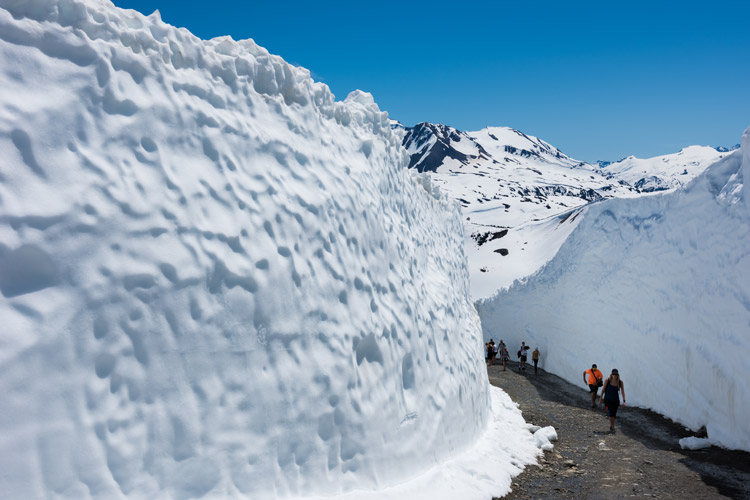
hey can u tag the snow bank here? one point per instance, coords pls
(216, 280)
(484, 471)
(658, 287)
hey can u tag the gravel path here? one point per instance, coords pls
(641, 459)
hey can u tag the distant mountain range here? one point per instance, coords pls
(667, 171)
(520, 195)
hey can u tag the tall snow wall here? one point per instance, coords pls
(216, 280)
(658, 287)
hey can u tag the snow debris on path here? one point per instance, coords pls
(658, 287)
(219, 282)
(543, 436)
(694, 443)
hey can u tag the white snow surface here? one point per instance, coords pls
(658, 287)
(487, 467)
(694, 443)
(219, 282)
(543, 436)
(665, 171)
(547, 183)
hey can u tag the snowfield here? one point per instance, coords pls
(658, 287)
(666, 171)
(219, 282)
(521, 196)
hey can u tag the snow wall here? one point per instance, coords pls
(216, 280)
(658, 287)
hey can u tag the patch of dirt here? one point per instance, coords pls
(641, 459)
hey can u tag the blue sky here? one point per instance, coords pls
(599, 80)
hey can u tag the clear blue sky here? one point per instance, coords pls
(599, 80)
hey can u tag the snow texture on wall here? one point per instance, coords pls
(216, 280)
(658, 287)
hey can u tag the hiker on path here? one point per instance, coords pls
(611, 395)
(493, 353)
(504, 356)
(594, 381)
(535, 359)
(488, 353)
(522, 357)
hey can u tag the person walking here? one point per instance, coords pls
(535, 359)
(504, 357)
(522, 357)
(488, 353)
(594, 381)
(611, 395)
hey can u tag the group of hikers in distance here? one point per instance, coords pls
(611, 387)
(492, 351)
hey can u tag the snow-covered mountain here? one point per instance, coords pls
(521, 196)
(518, 195)
(658, 287)
(665, 172)
(219, 282)
(502, 163)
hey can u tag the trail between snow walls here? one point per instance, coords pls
(658, 287)
(641, 459)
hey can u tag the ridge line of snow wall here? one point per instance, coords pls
(216, 280)
(658, 287)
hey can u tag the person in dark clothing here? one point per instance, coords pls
(535, 359)
(611, 395)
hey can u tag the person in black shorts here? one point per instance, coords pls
(611, 395)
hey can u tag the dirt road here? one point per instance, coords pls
(641, 459)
